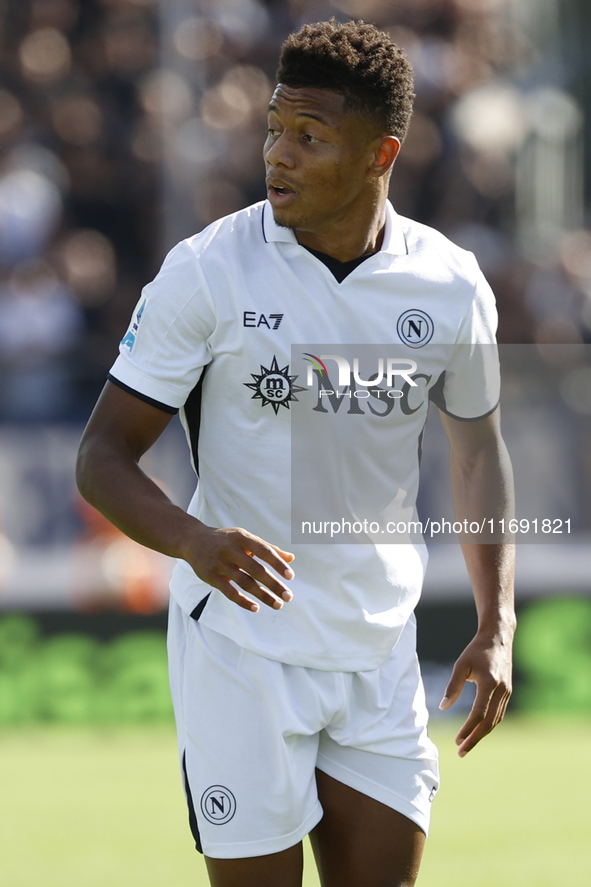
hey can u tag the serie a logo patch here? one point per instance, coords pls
(128, 340)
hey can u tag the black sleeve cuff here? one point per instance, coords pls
(469, 418)
(153, 403)
(437, 397)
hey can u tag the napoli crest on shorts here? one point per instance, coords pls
(415, 328)
(274, 386)
(218, 804)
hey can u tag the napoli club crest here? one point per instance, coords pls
(415, 328)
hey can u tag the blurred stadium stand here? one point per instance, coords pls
(126, 125)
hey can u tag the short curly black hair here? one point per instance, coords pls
(358, 61)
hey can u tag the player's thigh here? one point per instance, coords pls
(282, 869)
(361, 842)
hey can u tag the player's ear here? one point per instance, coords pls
(385, 152)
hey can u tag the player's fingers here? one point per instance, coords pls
(500, 702)
(459, 676)
(502, 708)
(288, 556)
(244, 581)
(228, 558)
(468, 738)
(268, 553)
(479, 710)
(262, 575)
(477, 734)
(235, 595)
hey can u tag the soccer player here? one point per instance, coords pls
(297, 696)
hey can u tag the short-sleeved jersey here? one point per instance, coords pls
(222, 313)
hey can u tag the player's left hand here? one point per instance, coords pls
(487, 662)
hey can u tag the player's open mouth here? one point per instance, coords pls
(280, 193)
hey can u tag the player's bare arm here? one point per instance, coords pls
(121, 429)
(482, 485)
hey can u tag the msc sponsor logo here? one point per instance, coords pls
(415, 328)
(274, 385)
(218, 804)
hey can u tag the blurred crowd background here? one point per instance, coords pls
(126, 125)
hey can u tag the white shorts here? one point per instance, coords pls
(252, 731)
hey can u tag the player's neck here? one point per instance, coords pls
(348, 239)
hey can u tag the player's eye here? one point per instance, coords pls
(310, 138)
(273, 132)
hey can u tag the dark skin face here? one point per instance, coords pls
(327, 171)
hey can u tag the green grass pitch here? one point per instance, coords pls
(82, 808)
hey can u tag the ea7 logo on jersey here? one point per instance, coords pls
(252, 319)
(274, 386)
(415, 328)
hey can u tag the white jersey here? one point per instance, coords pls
(219, 319)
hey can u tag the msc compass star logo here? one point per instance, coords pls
(274, 386)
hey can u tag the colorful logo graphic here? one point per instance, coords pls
(316, 363)
(395, 366)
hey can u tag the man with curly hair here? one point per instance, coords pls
(300, 709)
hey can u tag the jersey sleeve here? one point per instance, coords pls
(469, 389)
(162, 355)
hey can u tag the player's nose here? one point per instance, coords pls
(279, 151)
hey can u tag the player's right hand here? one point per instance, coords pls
(229, 559)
